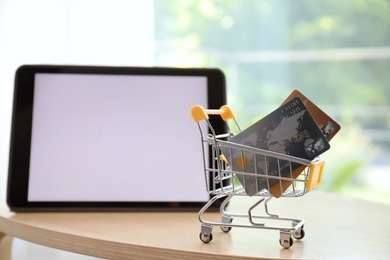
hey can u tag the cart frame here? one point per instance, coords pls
(221, 181)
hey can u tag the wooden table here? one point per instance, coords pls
(336, 227)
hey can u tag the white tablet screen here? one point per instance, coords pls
(116, 138)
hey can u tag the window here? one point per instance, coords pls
(336, 52)
(86, 32)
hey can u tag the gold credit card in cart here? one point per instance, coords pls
(329, 128)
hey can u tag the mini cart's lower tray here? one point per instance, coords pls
(289, 228)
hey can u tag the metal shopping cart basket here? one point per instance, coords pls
(223, 182)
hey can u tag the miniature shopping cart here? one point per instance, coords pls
(223, 181)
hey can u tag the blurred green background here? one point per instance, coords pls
(337, 53)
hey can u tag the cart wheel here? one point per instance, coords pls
(227, 220)
(285, 238)
(206, 237)
(226, 229)
(299, 234)
(286, 243)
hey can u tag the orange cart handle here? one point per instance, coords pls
(199, 113)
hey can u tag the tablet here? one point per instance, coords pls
(109, 138)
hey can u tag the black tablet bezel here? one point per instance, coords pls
(20, 143)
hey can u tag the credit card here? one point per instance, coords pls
(329, 128)
(289, 129)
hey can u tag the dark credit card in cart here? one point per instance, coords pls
(291, 130)
(328, 126)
